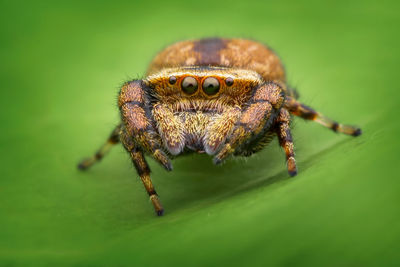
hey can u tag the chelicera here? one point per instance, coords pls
(223, 97)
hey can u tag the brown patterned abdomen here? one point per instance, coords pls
(236, 53)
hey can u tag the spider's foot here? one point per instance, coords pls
(223, 154)
(217, 160)
(346, 129)
(291, 166)
(163, 159)
(357, 132)
(157, 205)
(160, 212)
(85, 164)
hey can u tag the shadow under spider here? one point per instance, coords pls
(196, 179)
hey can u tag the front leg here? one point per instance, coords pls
(285, 140)
(143, 170)
(170, 128)
(219, 128)
(137, 119)
(261, 111)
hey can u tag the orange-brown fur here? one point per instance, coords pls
(161, 119)
(230, 53)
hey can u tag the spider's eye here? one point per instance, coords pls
(172, 79)
(189, 85)
(229, 81)
(211, 86)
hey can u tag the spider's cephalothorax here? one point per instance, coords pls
(217, 96)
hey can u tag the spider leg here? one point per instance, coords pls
(143, 171)
(138, 123)
(220, 128)
(307, 113)
(104, 149)
(170, 128)
(261, 112)
(285, 140)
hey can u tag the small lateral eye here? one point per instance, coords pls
(172, 79)
(229, 81)
(189, 85)
(211, 86)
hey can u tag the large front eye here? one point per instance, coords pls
(211, 86)
(189, 85)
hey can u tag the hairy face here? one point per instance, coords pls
(185, 87)
(197, 107)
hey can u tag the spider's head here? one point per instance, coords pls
(191, 84)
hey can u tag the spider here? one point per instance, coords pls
(223, 97)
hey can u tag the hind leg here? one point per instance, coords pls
(104, 149)
(307, 113)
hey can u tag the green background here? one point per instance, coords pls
(61, 66)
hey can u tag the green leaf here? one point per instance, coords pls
(61, 68)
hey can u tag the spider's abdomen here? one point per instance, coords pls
(234, 53)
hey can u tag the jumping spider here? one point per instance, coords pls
(217, 96)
